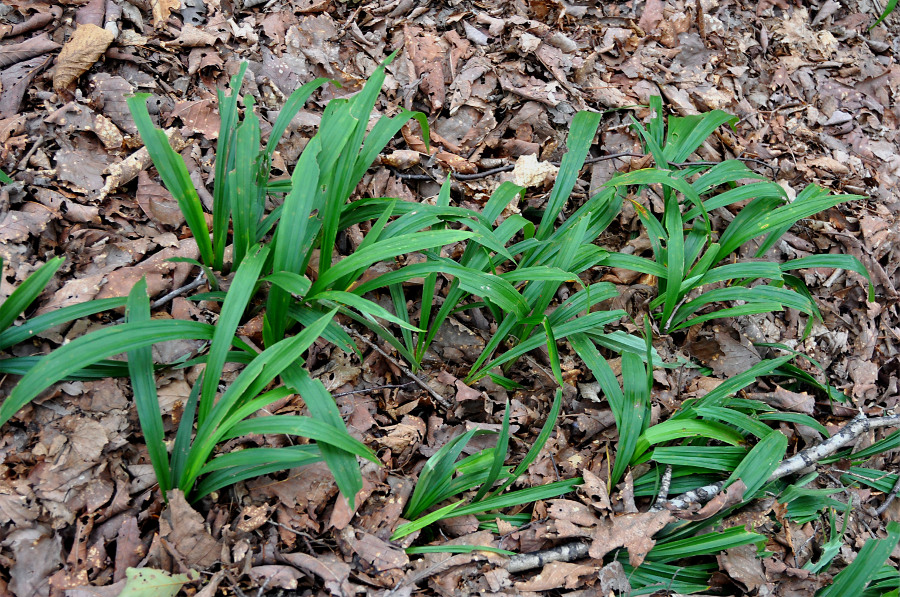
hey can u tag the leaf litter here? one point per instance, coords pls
(815, 92)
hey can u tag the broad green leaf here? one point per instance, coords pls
(853, 579)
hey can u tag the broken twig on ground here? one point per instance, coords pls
(803, 459)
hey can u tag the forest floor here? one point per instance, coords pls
(816, 94)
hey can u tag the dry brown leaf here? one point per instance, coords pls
(129, 548)
(273, 575)
(158, 203)
(161, 9)
(34, 46)
(36, 554)
(557, 575)
(183, 528)
(87, 44)
(334, 572)
(631, 531)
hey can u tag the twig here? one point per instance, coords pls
(198, 281)
(804, 459)
(568, 552)
(388, 386)
(406, 371)
(664, 486)
(890, 498)
(23, 163)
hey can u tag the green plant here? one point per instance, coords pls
(10, 335)
(443, 478)
(888, 9)
(519, 281)
(687, 255)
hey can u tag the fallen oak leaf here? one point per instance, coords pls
(634, 532)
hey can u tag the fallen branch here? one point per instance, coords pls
(803, 459)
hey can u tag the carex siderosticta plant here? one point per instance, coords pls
(285, 261)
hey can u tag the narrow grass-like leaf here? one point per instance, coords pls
(457, 549)
(387, 249)
(438, 468)
(93, 347)
(233, 308)
(853, 579)
(364, 306)
(888, 9)
(680, 428)
(848, 262)
(181, 448)
(322, 407)
(420, 523)
(287, 245)
(734, 417)
(230, 468)
(228, 117)
(36, 325)
(581, 134)
(756, 468)
(246, 209)
(716, 458)
(809, 202)
(499, 456)
(174, 173)
(686, 133)
(322, 432)
(520, 497)
(797, 419)
(706, 544)
(26, 292)
(537, 446)
(143, 384)
(635, 409)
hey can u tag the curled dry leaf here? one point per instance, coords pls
(529, 172)
(84, 48)
(334, 572)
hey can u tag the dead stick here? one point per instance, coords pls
(890, 498)
(663, 495)
(804, 459)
